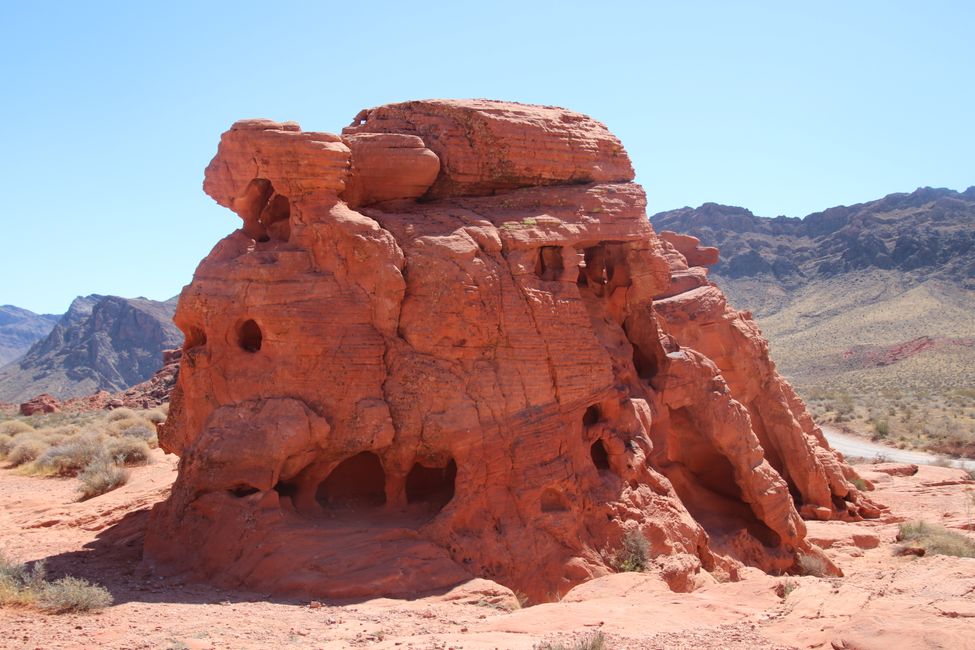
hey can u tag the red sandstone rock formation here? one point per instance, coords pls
(449, 344)
(43, 403)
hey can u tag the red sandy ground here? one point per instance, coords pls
(884, 602)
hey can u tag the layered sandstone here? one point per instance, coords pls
(448, 343)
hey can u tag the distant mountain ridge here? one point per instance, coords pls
(21, 328)
(874, 296)
(926, 233)
(100, 343)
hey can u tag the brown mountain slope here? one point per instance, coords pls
(101, 343)
(21, 328)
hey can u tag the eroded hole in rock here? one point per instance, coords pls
(711, 468)
(553, 501)
(771, 450)
(286, 489)
(431, 485)
(600, 457)
(591, 416)
(266, 213)
(549, 265)
(356, 483)
(592, 271)
(276, 217)
(249, 336)
(645, 363)
(195, 337)
(242, 491)
(713, 471)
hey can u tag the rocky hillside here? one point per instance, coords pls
(878, 296)
(21, 328)
(101, 343)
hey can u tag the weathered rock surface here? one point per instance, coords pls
(43, 403)
(395, 379)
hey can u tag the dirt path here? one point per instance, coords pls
(857, 447)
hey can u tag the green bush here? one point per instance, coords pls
(101, 476)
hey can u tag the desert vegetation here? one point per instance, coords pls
(935, 539)
(941, 422)
(23, 585)
(634, 554)
(593, 641)
(96, 447)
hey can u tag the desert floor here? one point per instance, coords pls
(884, 601)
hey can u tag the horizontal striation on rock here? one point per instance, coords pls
(461, 350)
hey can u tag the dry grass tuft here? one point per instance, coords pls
(73, 595)
(71, 456)
(811, 565)
(592, 641)
(27, 450)
(129, 451)
(101, 476)
(15, 427)
(120, 414)
(93, 445)
(26, 586)
(935, 539)
(635, 553)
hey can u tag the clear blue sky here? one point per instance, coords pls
(111, 111)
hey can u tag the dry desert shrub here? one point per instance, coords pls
(810, 565)
(635, 553)
(73, 595)
(27, 450)
(120, 414)
(24, 586)
(156, 415)
(6, 444)
(101, 476)
(15, 427)
(19, 583)
(142, 432)
(95, 446)
(936, 540)
(129, 451)
(116, 427)
(592, 641)
(71, 456)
